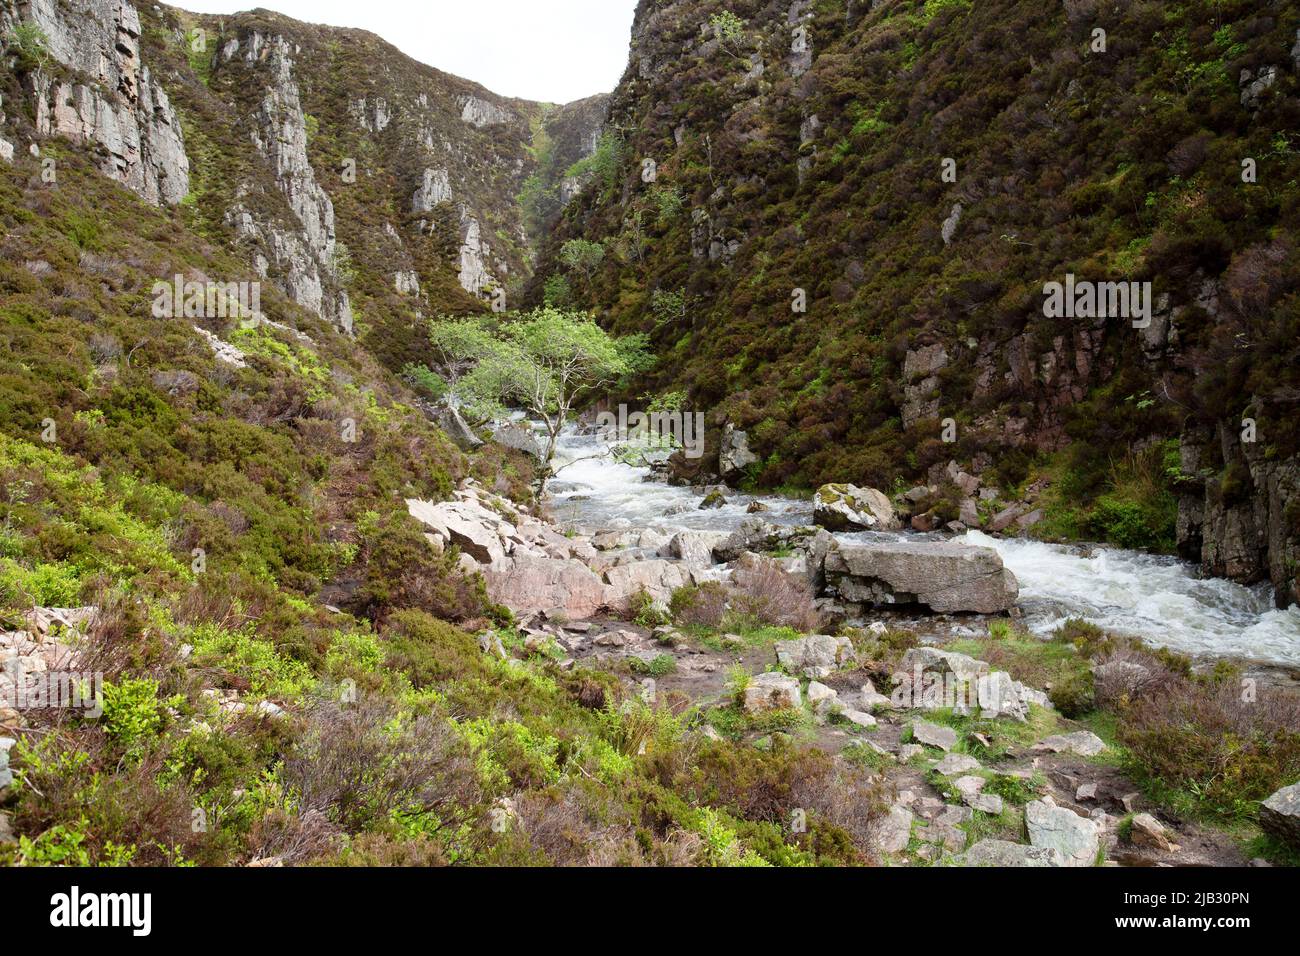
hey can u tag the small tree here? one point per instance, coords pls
(583, 256)
(458, 346)
(547, 361)
(729, 30)
(31, 44)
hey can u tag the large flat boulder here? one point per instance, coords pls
(528, 584)
(943, 576)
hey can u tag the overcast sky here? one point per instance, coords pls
(550, 50)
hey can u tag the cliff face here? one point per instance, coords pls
(100, 93)
(837, 220)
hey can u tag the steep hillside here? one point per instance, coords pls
(372, 189)
(917, 172)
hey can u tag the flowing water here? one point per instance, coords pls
(1166, 601)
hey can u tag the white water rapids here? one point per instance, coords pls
(1163, 600)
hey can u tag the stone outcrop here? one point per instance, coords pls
(529, 584)
(299, 252)
(734, 456)
(112, 99)
(945, 577)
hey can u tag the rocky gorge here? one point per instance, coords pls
(948, 580)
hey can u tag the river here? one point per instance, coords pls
(1165, 601)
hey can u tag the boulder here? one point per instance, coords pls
(822, 699)
(772, 691)
(858, 718)
(944, 576)
(520, 438)
(757, 535)
(6, 775)
(1006, 853)
(450, 421)
(870, 698)
(1280, 815)
(893, 831)
(657, 577)
(537, 584)
(694, 548)
(1077, 839)
(816, 656)
(850, 508)
(1147, 831)
(989, 803)
(932, 659)
(734, 455)
(956, 763)
(715, 498)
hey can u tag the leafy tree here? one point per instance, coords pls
(557, 292)
(545, 362)
(730, 31)
(583, 256)
(458, 346)
(31, 44)
(669, 305)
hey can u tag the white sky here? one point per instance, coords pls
(550, 50)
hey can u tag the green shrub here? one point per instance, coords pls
(133, 713)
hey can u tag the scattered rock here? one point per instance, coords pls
(1075, 838)
(945, 738)
(772, 691)
(989, 803)
(870, 699)
(894, 830)
(1149, 832)
(859, 718)
(932, 659)
(816, 656)
(821, 698)
(956, 763)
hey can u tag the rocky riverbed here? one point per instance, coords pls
(1011, 782)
